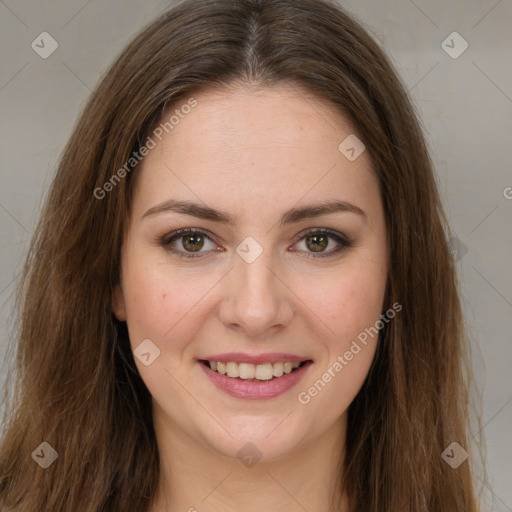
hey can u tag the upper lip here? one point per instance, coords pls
(268, 357)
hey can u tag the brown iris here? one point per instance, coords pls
(318, 242)
(196, 243)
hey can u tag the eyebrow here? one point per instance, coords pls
(289, 217)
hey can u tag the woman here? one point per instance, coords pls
(240, 294)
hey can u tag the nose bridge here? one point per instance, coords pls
(256, 283)
(258, 300)
(254, 258)
(256, 277)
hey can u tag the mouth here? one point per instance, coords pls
(254, 381)
(254, 372)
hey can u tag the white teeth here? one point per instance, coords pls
(265, 371)
(232, 369)
(246, 371)
(278, 369)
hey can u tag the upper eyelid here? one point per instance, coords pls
(177, 234)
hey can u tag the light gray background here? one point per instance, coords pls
(465, 105)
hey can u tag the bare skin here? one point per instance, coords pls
(254, 154)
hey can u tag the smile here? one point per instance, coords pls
(253, 381)
(249, 371)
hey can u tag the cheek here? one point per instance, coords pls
(361, 302)
(350, 305)
(162, 305)
(162, 301)
(347, 301)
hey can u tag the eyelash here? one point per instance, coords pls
(344, 242)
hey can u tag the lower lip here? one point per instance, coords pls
(255, 390)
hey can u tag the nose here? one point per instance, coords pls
(256, 300)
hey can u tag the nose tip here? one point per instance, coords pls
(257, 299)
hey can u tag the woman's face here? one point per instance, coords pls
(269, 278)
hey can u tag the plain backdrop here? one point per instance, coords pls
(464, 102)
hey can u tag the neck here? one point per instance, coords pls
(196, 478)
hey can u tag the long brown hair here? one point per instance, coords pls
(76, 385)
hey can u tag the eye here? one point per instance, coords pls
(192, 241)
(317, 240)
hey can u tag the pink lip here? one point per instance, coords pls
(269, 357)
(255, 390)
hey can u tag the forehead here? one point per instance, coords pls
(254, 146)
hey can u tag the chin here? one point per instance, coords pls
(262, 438)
